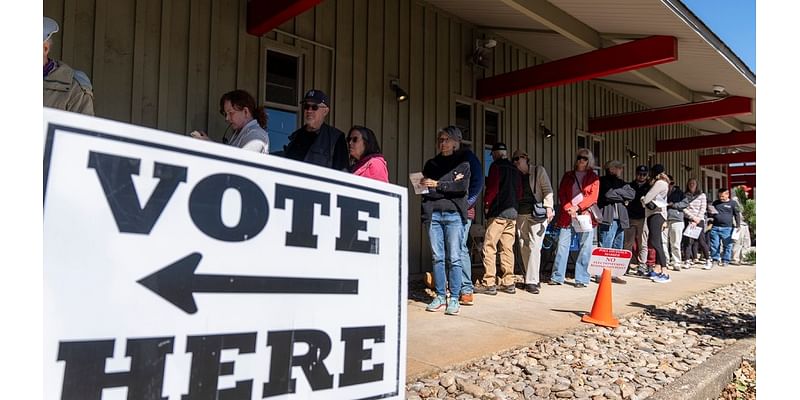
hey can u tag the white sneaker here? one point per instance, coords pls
(687, 265)
(708, 265)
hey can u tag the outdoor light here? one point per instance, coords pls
(398, 91)
(545, 131)
(632, 154)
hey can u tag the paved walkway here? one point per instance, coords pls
(496, 323)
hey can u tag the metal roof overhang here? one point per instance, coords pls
(559, 29)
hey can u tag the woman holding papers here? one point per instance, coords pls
(655, 213)
(695, 216)
(577, 194)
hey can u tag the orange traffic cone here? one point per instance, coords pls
(601, 310)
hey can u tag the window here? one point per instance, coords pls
(491, 135)
(281, 98)
(464, 121)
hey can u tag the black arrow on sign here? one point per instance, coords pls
(177, 283)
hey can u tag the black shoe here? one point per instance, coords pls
(554, 283)
(532, 288)
(619, 280)
(490, 290)
(510, 289)
(580, 285)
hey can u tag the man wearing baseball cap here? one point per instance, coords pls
(612, 200)
(317, 142)
(64, 88)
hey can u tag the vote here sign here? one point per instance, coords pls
(181, 269)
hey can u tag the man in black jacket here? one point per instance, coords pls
(613, 197)
(503, 191)
(637, 233)
(317, 142)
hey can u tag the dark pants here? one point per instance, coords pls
(655, 223)
(692, 247)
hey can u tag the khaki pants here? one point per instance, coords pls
(499, 230)
(531, 235)
(637, 233)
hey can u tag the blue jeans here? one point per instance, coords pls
(562, 254)
(445, 231)
(721, 233)
(466, 263)
(612, 236)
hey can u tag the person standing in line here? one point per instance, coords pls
(577, 192)
(503, 191)
(636, 234)
(365, 154)
(676, 203)
(655, 204)
(614, 195)
(316, 142)
(247, 120)
(475, 186)
(64, 88)
(530, 227)
(444, 213)
(741, 243)
(695, 215)
(725, 221)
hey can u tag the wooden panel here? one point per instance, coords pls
(391, 46)
(304, 27)
(442, 72)
(222, 58)
(324, 32)
(144, 104)
(82, 33)
(403, 132)
(343, 94)
(375, 77)
(197, 88)
(359, 61)
(114, 49)
(416, 130)
(249, 65)
(467, 46)
(173, 111)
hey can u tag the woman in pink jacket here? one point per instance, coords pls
(365, 154)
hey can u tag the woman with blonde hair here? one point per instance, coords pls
(655, 213)
(577, 193)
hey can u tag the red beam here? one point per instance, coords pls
(743, 170)
(633, 55)
(726, 107)
(265, 15)
(706, 142)
(727, 158)
(749, 180)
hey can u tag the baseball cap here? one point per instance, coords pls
(642, 169)
(315, 96)
(499, 146)
(520, 153)
(50, 28)
(615, 164)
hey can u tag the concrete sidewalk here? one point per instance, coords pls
(496, 323)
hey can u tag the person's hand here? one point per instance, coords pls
(429, 183)
(550, 214)
(199, 135)
(693, 224)
(573, 211)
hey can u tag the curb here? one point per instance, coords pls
(707, 380)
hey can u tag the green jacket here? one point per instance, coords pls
(68, 89)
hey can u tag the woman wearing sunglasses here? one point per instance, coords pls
(577, 192)
(365, 154)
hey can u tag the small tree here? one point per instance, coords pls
(748, 208)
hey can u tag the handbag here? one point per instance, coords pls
(539, 212)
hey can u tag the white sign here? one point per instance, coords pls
(182, 269)
(614, 259)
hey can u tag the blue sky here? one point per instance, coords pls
(734, 21)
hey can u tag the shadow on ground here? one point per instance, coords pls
(705, 321)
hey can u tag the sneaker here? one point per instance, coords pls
(452, 307)
(687, 265)
(661, 278)
(532, 288)
(652, 274)
(619, 280)
(554, 283)
(708, 265)
(510, 289)
(465, 299)
(580, 285)
(490, 290)
(725, 264)
(437, 304)
(644, 271)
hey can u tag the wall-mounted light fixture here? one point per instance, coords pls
(632, 154)
(687, 168)
(546, 132)
(399, 93)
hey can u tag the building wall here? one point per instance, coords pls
(165, 63)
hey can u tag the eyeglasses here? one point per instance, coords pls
(312, 107)
(515, 159)
(581, 158)
(444, 139)
(352, 139)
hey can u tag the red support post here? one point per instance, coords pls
(730, 158)
(726, 107)
(633, 55)
(266, 15)
(706, 142)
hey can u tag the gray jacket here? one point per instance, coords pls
(677, 202)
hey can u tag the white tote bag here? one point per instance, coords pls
(582, 223)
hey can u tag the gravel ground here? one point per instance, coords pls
(648, 350)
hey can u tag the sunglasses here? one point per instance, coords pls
(352, 139)
(312, 107)
(581, 158)
(518, 158)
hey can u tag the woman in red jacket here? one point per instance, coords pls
(365, 154)
(577, 192)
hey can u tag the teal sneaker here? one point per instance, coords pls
(437, 304)
(452, 307)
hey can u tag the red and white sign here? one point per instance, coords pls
(614, 259)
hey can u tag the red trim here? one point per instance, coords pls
(743, 170)
(706, 142)
(726, 107)
(611, 60)
(748, 180)
(727, 158)
(265, 15)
